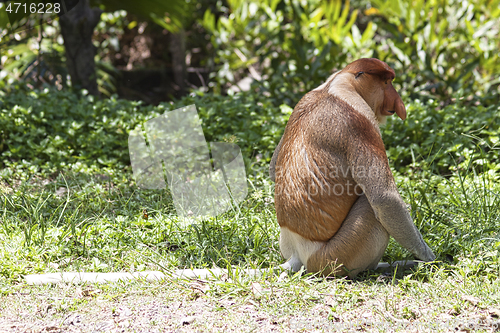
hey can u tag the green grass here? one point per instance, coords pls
(89, 216)
(79, 222)
(95, 223)
(72, 212)
(440, 300)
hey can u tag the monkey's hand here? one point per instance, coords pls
(392, 213)
(425, 253)
(407, 234)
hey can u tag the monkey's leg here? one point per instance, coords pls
(296, 249)
(358, 245)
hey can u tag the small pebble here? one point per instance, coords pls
(188, 320)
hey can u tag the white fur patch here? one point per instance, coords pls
(327, 81)
(296, 249)
(342, 87)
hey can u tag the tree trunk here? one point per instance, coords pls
(77, 28)
(178, 51)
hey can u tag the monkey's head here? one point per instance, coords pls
(372, 79)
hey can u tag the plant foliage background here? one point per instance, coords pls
(68, 200)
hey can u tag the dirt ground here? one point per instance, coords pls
(214, 306)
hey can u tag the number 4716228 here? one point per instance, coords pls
(41, 8)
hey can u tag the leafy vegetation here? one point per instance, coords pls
(51, 130)
(68, 200)
(452, 137)
(440, 47)
(437, 48)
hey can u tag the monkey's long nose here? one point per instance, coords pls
(400, 109)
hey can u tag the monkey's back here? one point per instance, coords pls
(315, 189)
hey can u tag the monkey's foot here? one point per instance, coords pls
(404, 264)
(293, 264)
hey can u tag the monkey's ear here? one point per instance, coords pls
(371, 66)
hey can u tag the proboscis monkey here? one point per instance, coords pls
(336, 198)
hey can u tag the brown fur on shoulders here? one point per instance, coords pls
(314, 186)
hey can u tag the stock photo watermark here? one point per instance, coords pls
(329, 180)
(173, 148)
(19, 10)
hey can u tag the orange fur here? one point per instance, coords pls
(314, 185)
(335, 196)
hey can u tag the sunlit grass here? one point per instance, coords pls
(76, 222)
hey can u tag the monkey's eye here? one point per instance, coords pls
(358, 74)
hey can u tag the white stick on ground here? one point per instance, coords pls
(83, 277)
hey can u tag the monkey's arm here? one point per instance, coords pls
(370, 170)
(272, 166)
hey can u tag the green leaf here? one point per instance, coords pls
(176, 9)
